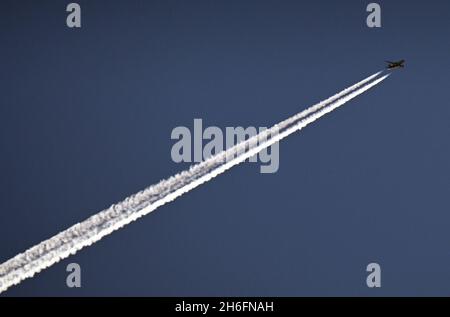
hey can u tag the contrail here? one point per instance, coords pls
(325, 102)
(94, 228)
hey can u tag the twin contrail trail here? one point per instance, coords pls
(62, 245)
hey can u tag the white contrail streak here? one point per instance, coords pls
(94, 228)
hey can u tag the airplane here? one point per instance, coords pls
(394, 65)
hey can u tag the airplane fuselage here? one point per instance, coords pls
(394, 65)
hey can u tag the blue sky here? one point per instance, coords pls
(86, 117)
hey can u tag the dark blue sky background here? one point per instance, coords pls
(86, 116)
